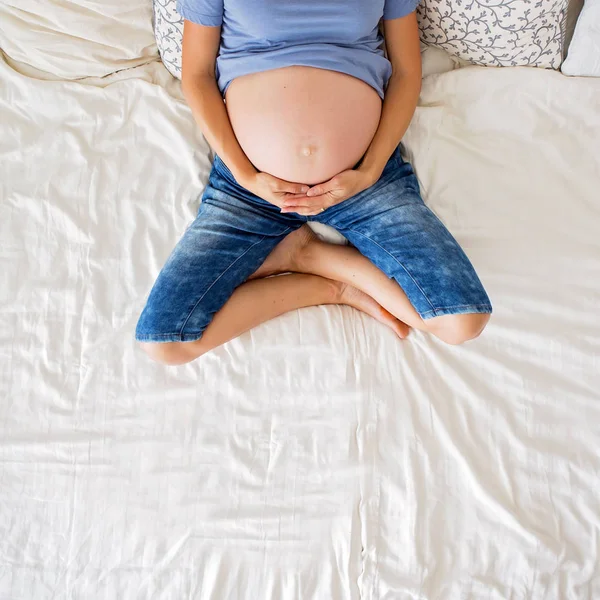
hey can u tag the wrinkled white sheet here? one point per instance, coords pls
(316, 457)
(71, 39)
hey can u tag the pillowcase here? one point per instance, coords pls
(575, 7)
(584, 53)
(499, 33)
(78, 38)
(168, 30)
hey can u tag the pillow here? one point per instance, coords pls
(71, 39)
(497, 32)
(168, 30)
(584, 53)
(575, 7)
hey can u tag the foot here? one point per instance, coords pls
(354, 297)
(286, 255)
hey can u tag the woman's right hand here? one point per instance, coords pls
(274, 190)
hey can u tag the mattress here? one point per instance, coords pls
(317, 456)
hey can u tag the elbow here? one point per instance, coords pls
(417, 82)
(413, 77)
(407, 80)
(192, 82)
(188, 82)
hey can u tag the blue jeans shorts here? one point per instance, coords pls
(235, 231)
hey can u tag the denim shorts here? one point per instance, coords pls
(235, 231)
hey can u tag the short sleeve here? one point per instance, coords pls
(394, 9)
(203, 12)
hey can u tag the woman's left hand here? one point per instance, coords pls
(324, 195)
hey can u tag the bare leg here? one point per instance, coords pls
(303, 252)
(260, 300)
(345, 277)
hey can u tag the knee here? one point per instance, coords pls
(170, 353)
(458, 329)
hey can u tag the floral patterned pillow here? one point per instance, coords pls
(168, 29)
(486, 32)
(497, 32)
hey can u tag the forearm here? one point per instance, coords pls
(205, 100)
(401, 99)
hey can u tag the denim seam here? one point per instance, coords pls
(405, 269)
(262, 239)
(162, 336)
(442, 308)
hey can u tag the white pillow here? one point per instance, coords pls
(71, 39)
(497, 33)
(584, 52)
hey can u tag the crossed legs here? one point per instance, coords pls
(321, 274)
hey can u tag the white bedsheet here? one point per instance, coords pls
(316, 457)
(72, 39)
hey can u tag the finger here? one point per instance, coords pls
(280, 199)
(292, 198)
(322, 188)
(312, 207)
(301, 202)
(325, 200)
(291, 188)
(286, 204)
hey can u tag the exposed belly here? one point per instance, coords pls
(303, 124)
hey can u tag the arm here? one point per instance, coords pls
(199, 84)
(401, 96)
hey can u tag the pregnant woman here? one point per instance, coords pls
(309, 132)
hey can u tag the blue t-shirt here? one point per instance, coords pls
(338, 35)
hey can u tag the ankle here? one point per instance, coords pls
(303, 257)
(337, 292)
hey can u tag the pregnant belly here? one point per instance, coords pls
(303, 124)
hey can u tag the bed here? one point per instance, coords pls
(316, 457)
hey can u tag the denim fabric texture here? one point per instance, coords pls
(235, 231)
